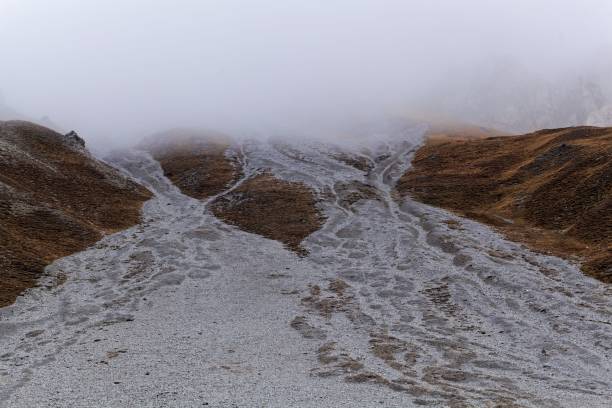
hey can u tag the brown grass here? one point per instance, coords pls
(195, 161)
(54, 200)
(441, 132)
(198, 163)
(335, 300)
(277, 209)
(551, 189)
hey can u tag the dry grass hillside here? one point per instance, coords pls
(55, 199)
(443, 131)
(196, 162)
(274, 208)
(551, 189)
(201, 166)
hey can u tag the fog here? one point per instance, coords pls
(116, 70)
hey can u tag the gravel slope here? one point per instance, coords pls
(397, 304)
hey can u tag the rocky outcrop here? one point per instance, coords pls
(73, 139)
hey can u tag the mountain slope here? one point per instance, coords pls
(204, 164)
(55, 199)
(274, 208)
(396, 304)
(551, 189)
(195, 161)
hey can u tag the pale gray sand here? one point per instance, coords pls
(391, 308)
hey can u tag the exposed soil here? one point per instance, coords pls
(55, 199)
(551, 189)
(196, 162)
(277, 209)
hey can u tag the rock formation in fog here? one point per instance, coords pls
(510, 98)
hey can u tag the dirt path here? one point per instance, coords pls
(398, 304)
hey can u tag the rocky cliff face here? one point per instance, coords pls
(55, 199)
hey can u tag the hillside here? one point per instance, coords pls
(195, 161)
(204, 164)
(386, 301)
(55, 199)
(551, 189)
(274, 208)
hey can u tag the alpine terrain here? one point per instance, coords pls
(298, 272)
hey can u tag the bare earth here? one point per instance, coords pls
(397, 304)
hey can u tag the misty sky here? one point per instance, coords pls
(114, 69)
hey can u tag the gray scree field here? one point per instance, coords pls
(397, 304)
